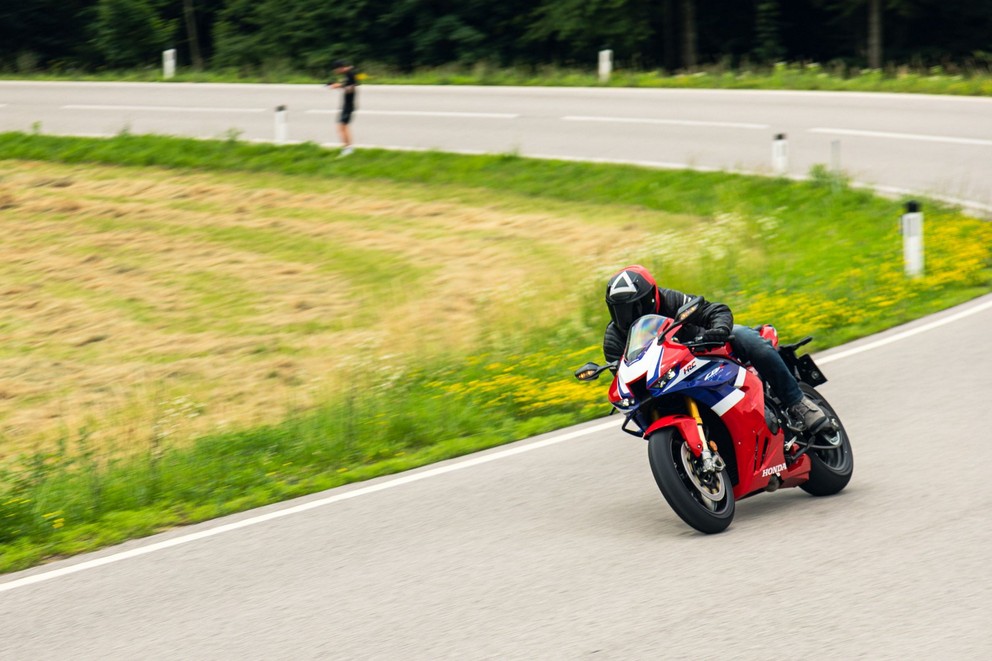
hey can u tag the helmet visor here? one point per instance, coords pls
(626, 313)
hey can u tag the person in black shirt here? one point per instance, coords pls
(348, 83)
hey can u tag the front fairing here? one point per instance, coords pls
(649, 363)
(640, 366)
(652, 368)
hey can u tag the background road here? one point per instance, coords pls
(562, 547)
(928, 144)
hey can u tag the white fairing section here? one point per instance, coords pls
(691, 367)
(735, 395)
(637, 369)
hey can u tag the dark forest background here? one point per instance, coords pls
(307, 35)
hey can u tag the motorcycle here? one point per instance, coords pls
(716, 432)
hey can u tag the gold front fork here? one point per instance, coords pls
(708, 462)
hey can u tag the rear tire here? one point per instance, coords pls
(681, 487)
(831, 466)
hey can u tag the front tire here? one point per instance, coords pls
(831, 457)
(680, 483)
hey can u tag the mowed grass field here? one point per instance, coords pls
(135, 298)
(194, 328)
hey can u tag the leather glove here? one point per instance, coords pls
(715, 335)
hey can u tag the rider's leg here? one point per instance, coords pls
(751, 347)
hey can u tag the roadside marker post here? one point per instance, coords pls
(282, 131)
(605, 65)
(912, 239)
(780, 154)
(169, 63)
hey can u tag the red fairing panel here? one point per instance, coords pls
(769, 333)
(686, 427)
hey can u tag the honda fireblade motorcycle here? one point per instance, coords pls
(716, 432)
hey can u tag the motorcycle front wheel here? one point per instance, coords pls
(705, 503)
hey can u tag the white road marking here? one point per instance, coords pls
(905, 334)
(163, 108)
(466, 152)
(422, 113)
(474, 461)
(664, 165)
(313, 504)
(905, 136)
(431, 472)
(673, 122)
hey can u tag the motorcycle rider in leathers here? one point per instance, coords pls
(632, 293)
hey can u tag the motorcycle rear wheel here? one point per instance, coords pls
(830, 469)
(679, 486)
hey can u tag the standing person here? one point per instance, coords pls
(632, 292)
(348, 83)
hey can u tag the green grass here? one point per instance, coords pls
(972, 81)
(740, 240)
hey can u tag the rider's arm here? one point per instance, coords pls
(613, 343)
(717, 316)
(712, 315)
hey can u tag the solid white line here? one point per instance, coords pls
(905, 136)
(494, 90)
(906, 333)
(465, 152)
(303, 507)
(163, 108)
(423, 113)
(432, 472)
(406, 479)
(673, 122)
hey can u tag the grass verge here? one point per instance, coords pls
(741, 240)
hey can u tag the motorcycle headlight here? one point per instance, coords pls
(663, 381)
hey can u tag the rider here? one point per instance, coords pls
(632, 293)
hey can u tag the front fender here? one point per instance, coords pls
(685, 425)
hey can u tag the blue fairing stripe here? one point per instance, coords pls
(733, 397)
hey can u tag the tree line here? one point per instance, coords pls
(307, 35)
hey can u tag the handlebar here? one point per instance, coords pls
(702, 345)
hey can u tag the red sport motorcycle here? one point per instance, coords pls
(716, 433)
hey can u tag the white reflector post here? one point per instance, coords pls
(605, 65)
(282, 131)
(912, 239)
(780, 154)
(169, 63)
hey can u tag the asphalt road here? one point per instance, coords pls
(936, 145)
(561, 546)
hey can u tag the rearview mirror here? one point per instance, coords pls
(591, 371)
(688, 311)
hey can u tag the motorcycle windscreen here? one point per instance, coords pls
(643, 331)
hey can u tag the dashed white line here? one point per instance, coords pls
(672, 122)
(423, 113)
(163, 108)
(904, 136)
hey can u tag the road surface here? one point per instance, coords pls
(560, 546)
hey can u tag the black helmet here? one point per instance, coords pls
(630, 294)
